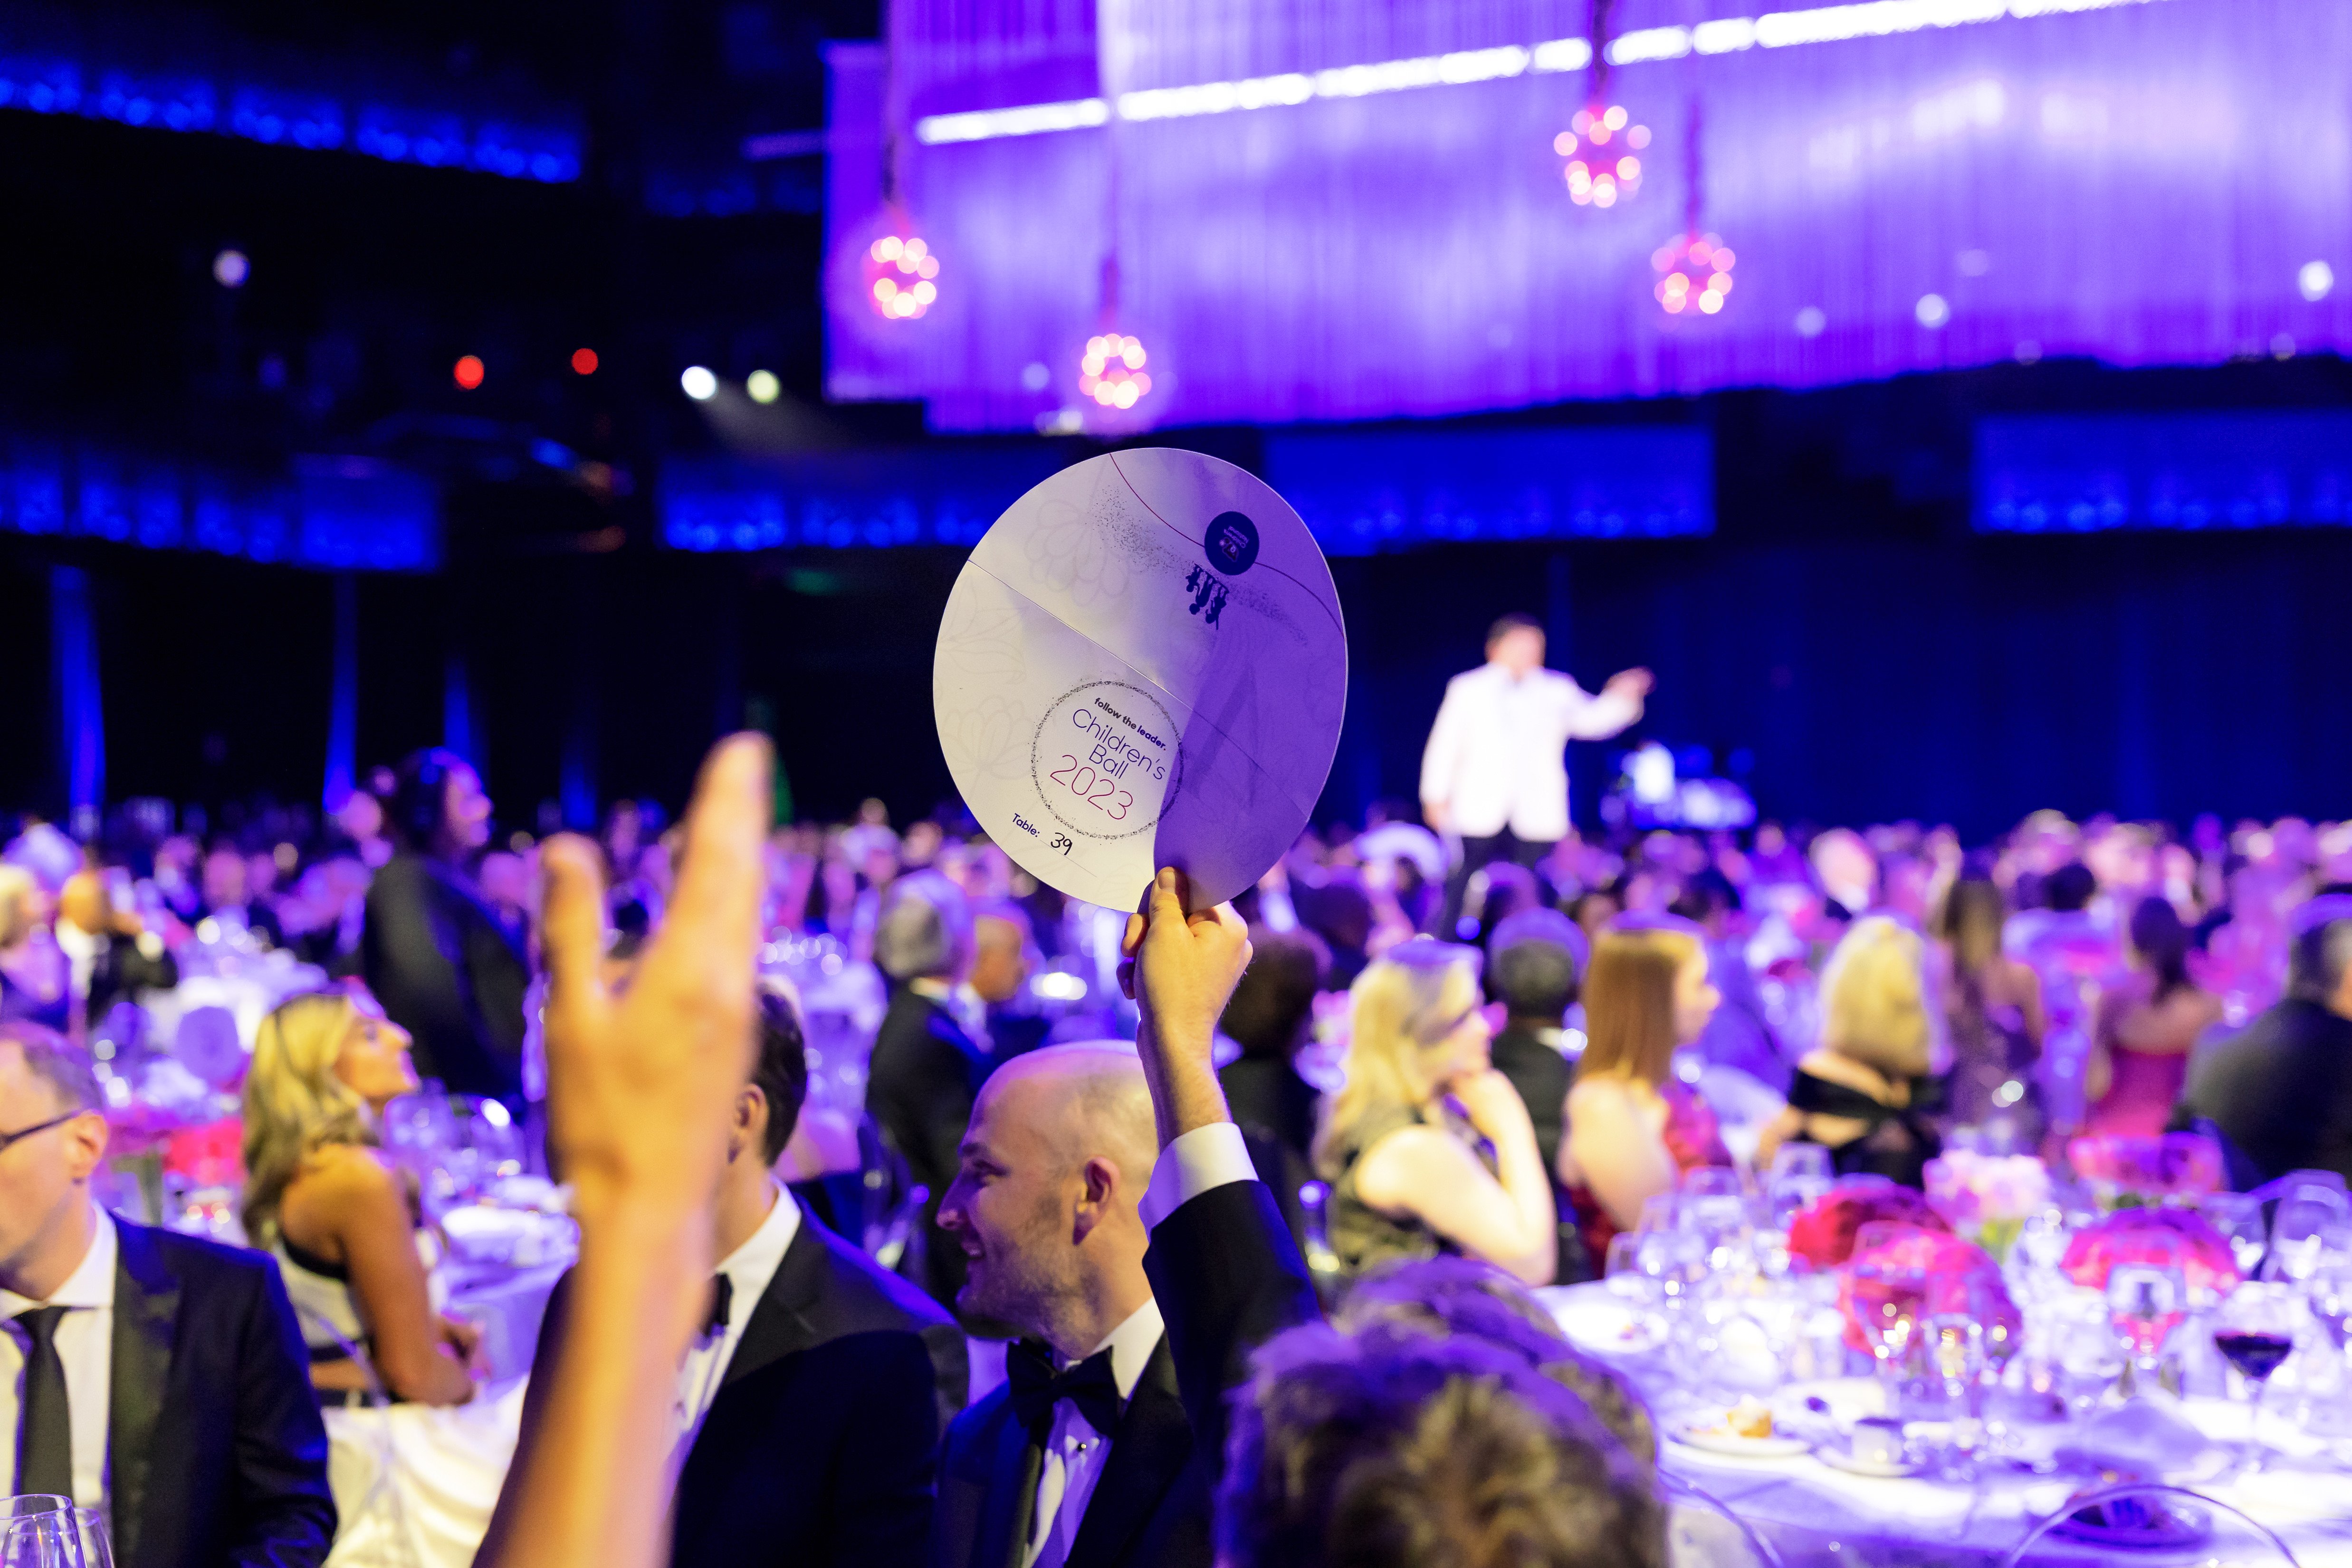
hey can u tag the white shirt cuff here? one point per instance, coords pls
(1204, 1158)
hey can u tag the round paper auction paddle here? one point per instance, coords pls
(1143, 665)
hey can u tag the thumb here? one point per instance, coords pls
(1167, 902)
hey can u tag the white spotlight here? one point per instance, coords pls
(1933, 311)
(2315, 278)
(763, 386)
(699, 384)
(229, 269)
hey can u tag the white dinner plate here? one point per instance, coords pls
(1779, 1445)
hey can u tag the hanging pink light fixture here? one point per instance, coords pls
(1603, 145)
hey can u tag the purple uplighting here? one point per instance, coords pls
(1308, 236)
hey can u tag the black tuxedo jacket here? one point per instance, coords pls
(213, 1446)
(1227, 1279)
(819, 1447)
(921, 1083)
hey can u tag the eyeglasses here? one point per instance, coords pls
(8, 1139)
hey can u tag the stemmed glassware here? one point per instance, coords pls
(2310, 1221)
(2147, 1300)
(38, 1530)
(1889, 1298)
(2238, 1217)
(2254, 1330)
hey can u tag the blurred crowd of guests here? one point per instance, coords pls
(1879, 991)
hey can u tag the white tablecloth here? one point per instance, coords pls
(1817, 1517)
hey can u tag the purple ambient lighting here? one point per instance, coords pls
(2141, 183)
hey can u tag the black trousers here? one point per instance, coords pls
(1477, 854)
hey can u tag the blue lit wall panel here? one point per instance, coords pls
(199, 80)
(337, 513)
(839, 500)
(2085, 473)
(1362, 491)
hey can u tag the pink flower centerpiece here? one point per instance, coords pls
(1822, 1232)
(1988, 1198)
(2124, 1171)
(2138, 1236)
(1960, 1276)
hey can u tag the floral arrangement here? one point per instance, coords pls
(212, 1156)
(1822, 1232)
(1988, 1198)
(2124, 1171)
(1960, 1276)
(2137, 1235)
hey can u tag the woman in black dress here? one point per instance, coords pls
(1861, 1094)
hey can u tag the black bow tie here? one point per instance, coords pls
(722, 1299)
(1037, 1388)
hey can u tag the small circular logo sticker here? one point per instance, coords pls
(1105, 760)
(1232, 542)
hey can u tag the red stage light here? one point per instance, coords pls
(468, 372)
(583, 362)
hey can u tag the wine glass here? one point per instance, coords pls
(1888, 1297)
(2310, 1219)
(2146, 1301)
(2238, 1217)
(2331, 1303)
(2254, 1328)
(89, 1532)
(36, 1530)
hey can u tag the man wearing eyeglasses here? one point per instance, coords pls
(155, 1378)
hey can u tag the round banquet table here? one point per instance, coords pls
(1816, 1516)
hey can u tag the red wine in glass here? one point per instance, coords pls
(2256, 1354)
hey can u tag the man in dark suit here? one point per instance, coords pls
(1538, 960)
(158, 1378)
(1141, 1283)
(926, 1067)
(2281, 1089)
(809, 1408)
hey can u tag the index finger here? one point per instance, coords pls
(572, 924)
(714, 917)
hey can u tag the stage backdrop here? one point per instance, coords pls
(1340, 209)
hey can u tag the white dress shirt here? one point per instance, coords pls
(84, 1341)
(1075, 1453)
(748, 1269)
(1495, 755)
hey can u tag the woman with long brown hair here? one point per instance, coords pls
(2145, 1026)
(1633, 1129)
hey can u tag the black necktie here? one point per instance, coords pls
(1037, 1388)
(45, 1426)
(722, 1302)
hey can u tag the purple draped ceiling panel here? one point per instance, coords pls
(2146, 184)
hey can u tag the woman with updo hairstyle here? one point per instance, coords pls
(446, 967)
(1632, 1127)
(1861, 1094)
(1428, 1149)
(341, 1219)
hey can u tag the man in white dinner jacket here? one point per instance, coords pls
(1495, 770)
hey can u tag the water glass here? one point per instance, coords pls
(2238, 1217)
(2312, 1220)
(1888, 1297)
(38, 1530)
(2146, 1301)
